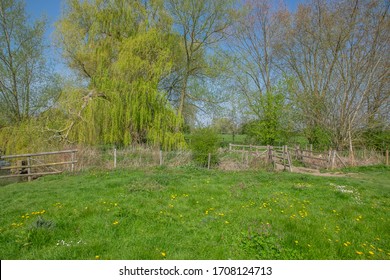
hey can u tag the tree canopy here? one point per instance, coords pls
(147, 71)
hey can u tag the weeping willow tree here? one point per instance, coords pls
(123, 49)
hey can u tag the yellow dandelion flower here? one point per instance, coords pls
(97, 257)
(371, 253)
(296, 242)
(226, 222)
(359, 253)
(115, 223)
(163, 254)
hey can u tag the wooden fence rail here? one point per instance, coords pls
(280, 155)
(26, 168)
(312, 159)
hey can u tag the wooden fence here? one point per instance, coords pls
(31, 166)
(280, 155)
(283, 156)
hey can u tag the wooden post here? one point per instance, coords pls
(161, 157)
(114, 157)
(230, 146)
(333, 159)
(29, 168)
(289, 159)
(269, 154)
(209, 161)
(73, 160)
(311, 150)
(247, 158)
(387, 156)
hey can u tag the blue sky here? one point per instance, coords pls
(51, 9)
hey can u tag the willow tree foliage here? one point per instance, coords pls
(123, 49)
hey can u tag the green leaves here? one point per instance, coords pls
(124, 52)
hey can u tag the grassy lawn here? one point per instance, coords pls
(189, 213)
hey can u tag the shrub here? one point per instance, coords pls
(204, 141)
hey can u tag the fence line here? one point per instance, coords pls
(308, 157)
(235, 157)
(26, 167)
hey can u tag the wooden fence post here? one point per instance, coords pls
(161, 157)
(269, 154)
(209, 161)
(29, 168)
(311, 150)
(114, 157)
(230, 146)
(387, 156)
(73, 160)
(333, 159)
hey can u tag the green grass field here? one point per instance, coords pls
(190, 213)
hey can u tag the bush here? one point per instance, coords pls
(204, 141)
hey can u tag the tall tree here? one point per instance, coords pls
(252, 43)
(202, 25)
(24, 75)
(123, 49)
(338, 52)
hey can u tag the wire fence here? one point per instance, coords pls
(231, 158)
